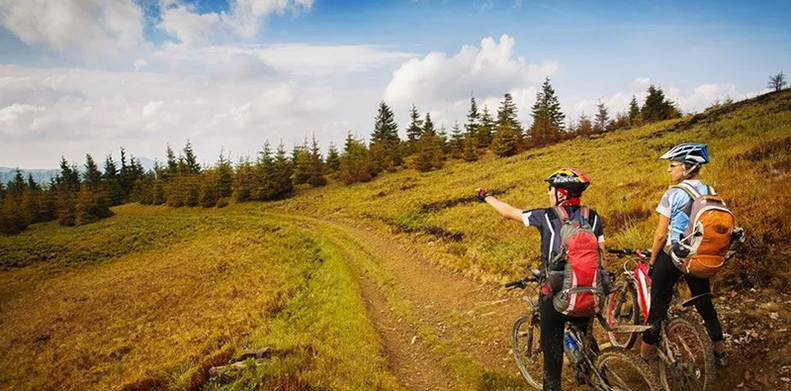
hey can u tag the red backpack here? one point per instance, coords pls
(578, 264)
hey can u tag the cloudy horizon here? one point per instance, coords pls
(92, 76)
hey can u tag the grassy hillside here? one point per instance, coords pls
(153, 297)
(750, 144)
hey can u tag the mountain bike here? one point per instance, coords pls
(686, 360)
(611, 369)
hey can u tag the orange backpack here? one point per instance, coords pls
(708, 234)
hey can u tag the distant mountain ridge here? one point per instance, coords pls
(44, 175)
(41, 176)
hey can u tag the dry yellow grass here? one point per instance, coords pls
(159, 318)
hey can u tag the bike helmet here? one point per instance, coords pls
(688, 153)
(573, 181)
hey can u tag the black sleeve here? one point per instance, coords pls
(535, 218)
(597, 223)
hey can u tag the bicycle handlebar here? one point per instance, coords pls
(518, 283)
(629, 251)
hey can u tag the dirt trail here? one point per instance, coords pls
(448, 316)
(434, 324)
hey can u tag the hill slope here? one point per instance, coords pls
(750, 146)
(342, 281)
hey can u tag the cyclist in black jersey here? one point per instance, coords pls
(566, 186)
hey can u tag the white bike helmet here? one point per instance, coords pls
(688, 153)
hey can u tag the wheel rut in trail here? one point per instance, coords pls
(471, 317)
(461, 317)
(411, 360)
(413, 364)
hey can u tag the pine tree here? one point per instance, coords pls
(111, 182)
(17, 186)
(208, 188)
(172, 163)
(456, 145)
(355, 162)
(142, 191)
(263, 187)
(547, 117)
(30, 205)
(585, 126)
(473, 119)
(602, 119)
(429, 153)
(634, 112)
(283, 170)
(67, 187)
(485, 129)
(224, 177)
(428, 125)
(470, 153)
(385, 143)
(92, 176)
(243, 182)
(12, 220)
(90, 206)
(190, 161)
(415, 128)
(301, 162)
(508, 130)
(333, 163)
(656, 107)
(316, 178)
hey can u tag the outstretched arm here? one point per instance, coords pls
(505, 210)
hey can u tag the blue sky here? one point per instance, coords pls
(90, 76)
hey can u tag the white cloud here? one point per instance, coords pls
(489, 70)
(140, 64)
(189, 27)
(695, 100)
(243, 19)
(444, 83)
(46, 113)
(17, 120)
(296, 59)
(643, 82)
(93, 27)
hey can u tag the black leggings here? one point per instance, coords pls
(664, 278)
(553, 325)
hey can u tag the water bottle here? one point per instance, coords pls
(572, 349)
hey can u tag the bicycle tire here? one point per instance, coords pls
(694, 370)
(617, 303)
(627, 370)
(526, 346)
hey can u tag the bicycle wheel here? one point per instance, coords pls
(526, 345)
(623, 309)
(692, 365)
(623, 370)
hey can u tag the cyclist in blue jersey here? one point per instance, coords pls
(566, 186)
(674, 210)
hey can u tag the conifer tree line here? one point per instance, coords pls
(80, 196)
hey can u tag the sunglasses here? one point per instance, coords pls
(673, 165)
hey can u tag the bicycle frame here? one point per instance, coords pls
(642, 284)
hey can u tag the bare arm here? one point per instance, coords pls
(659, 237)
(505, 210)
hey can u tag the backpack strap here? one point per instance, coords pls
(689, 189)
(585, 214)
(711, 190)
(561, 213)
